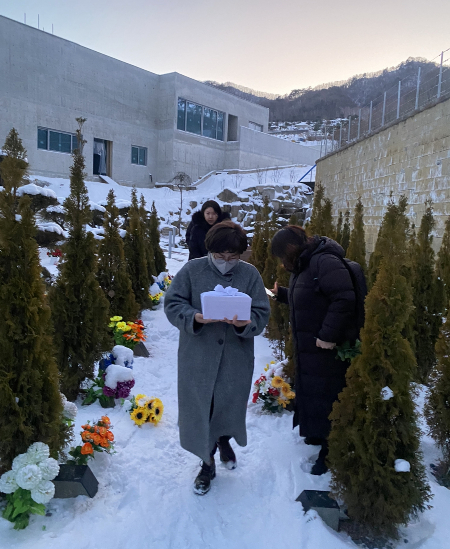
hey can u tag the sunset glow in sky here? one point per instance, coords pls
(262, 44)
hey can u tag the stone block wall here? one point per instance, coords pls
(411, 157)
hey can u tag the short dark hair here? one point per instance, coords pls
(289, 242)
(211, 204)
(226, 237)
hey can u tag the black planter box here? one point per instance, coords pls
(140, 350)
(75, 480)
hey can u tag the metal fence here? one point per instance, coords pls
(411, 94)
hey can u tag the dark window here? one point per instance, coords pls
(51, 140)
(194, 118)
(139, 155)
(42, 139)
(209, 123)
(220, 117)
(181, 119)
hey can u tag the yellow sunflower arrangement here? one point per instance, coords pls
(146, 410)
(272, 389)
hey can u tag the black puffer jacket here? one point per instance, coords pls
(324, 309)
(197, 234)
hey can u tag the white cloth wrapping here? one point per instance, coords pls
(225, 303)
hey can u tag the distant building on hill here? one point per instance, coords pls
(141, 127)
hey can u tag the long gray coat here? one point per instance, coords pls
(214, 360)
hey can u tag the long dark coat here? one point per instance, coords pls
(215, 361)
(324, 309)
(196, 233)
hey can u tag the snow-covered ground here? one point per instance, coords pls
(145, 497)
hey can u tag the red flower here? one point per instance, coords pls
(255, 397)
(274, 392)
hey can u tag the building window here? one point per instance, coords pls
(255, 126)
(50, 140)
(139, 156)
(200, 120)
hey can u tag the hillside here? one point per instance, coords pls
(334, 99)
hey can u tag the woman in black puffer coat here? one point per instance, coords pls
(202, 221)
(322, 303)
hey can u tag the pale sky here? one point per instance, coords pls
(269, 45)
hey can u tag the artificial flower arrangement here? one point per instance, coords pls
(146, 410)
(155, 294)
(70, 411)
(163, 280)
(96, 438)
(115, 378)
(28, 485)
(272, 389)
(54, 253)
(128, 334)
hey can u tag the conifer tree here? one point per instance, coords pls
(338, 237)
(278, 328)
(437, 409)
(112, 275)
(346, 231)
(263, 234)
(443, 270)
(160, 260)
(30, 404)
(135, 253)
(377, 254)
(149, 251)
(326, 223)
(426, 319)
(315, 224)
(372, 428)
(357, 247)
(79, 306)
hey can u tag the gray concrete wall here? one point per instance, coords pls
(411, 157)
(47, 81)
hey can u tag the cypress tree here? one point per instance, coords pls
(326, 223)
(371, 428)
(278, 328)
(346, 232)
(426, 321)
(339, 228)
(112, 270)
(79, 306)
(443, 269)
(437, 409)
(382, 239)
(263, 233)
(135, 253)
(357, 247)
(315, 224)
(149, 251)
(160, 260)
(30, 404)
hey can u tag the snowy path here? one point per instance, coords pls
(145, 497)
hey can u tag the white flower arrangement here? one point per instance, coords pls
(32, 471)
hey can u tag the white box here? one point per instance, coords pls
(225, 303)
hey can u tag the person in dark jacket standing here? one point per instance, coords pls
(202, 221)
(322, 305)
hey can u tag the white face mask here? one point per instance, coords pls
(224, 266)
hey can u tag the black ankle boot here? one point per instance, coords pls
(320, 467)
(227, 455)
(313, 441)
(202, 483)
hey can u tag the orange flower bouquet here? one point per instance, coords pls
(128, 334)
(96, 438)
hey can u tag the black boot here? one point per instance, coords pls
(320, 467)
(202, 483)
(313, 441)
(227, 455)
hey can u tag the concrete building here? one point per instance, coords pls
(141, 127)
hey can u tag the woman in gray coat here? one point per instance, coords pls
(215, 358)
